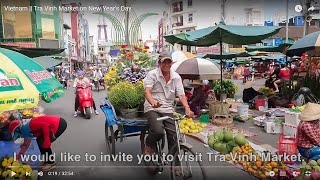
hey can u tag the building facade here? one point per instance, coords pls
(189, 15)
(30, 27)
(80, 33)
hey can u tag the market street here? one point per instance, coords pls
(87, 136)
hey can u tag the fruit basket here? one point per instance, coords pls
(14, 169)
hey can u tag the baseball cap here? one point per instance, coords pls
(164, 55)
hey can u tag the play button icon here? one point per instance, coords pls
(13, 173)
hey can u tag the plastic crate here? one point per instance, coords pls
(288, 146)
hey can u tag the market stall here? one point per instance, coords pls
(23, 83)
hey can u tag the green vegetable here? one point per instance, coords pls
(312, 163)
(218, 146)
(240, 139)
(228, 135)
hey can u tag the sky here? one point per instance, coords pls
(149, 26)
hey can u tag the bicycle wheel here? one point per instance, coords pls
(110, 139)
(184, 167)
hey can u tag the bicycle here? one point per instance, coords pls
(180, 149)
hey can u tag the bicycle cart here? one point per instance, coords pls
(139, 127)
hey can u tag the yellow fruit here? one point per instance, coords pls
(203, 125)
(9, 173)
(192, 127)
(186, 131)
(200, 129)
(4, 174)
(182, 125)
(10, 160)
(189, 123)
(23, 172)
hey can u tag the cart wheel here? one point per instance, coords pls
(110, 139)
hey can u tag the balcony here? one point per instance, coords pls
(177, 9)
(178, 24)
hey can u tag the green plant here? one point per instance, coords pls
(312, 81)
(228, 87)
(126, 95)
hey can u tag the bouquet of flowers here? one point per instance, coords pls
(133, 75)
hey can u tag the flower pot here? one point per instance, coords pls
(129, 113)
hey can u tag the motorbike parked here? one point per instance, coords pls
(85, 100)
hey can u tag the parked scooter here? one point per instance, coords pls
(85, 100)
(96, 84)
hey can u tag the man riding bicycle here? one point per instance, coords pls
(161, 87)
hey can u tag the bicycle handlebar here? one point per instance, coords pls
(167, 117)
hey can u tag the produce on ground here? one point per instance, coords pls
(312, 166)
(8, 165)
(223, 140)
(255, 166)
(300, 108)
(187, 125)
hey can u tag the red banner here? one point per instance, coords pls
(208, 50)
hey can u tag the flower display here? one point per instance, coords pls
(132, 65)
(133, 75)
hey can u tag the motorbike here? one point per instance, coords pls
(63, 81)
(85, 100)
(269, 83)
(96, 84)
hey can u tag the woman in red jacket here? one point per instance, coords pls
(45, 128)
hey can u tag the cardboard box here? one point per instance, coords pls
(292, 118)
(289, 130)
(271, 127)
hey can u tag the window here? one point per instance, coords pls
(190, 18)
(189, 3)
(48, 31)
(189, 48)
(181, 48)
(12, 20)
(101, 55)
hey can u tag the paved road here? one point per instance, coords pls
(87, 136)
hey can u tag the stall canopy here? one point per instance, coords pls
(34, 52)
(230, 34)
(227, 55)
(47, 62)
(280, 48)
(309, 44)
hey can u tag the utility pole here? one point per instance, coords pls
(287, 21)
(223, 9)
(305, 15)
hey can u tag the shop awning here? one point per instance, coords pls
(47, 62)
(34, 52)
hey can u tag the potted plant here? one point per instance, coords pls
(127, 97)
(228, 88)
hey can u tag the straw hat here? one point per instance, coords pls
(196, 82)
(248, 85)
(310, 113)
